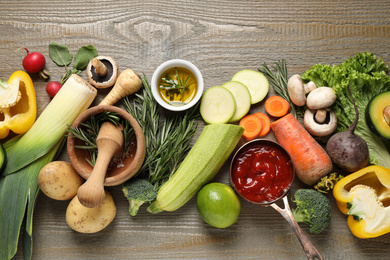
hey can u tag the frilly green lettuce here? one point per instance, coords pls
(366, 76)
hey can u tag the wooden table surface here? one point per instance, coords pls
(220, 38)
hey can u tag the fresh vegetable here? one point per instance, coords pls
(310, 160)
(366, 77)
(90, 220)
(28, 154)
(74, 97)
(3, 157)
(34, 62)
(167, 141)
(58, 180)
(127, 83)
(217, 105)
(242, 99)
(278, 80)
(206, 157)
(138, 191)
(218, 205)
(276, 106)
(347, 150)
(265, 123)
(313, 208)
(52, 88)
(256, 83)
(102, 72)
(328, 182)
(320, 122)
(378, 114)
(252, 125)
(18, 108)
(364, 196)
(61, 56)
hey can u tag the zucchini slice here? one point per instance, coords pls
(242, 98)
(217, 105)
(255, 81)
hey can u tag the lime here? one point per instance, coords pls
(218, 205)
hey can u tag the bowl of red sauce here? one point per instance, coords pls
(261, 171)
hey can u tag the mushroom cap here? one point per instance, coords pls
(296, 90)
(109, 79)
(321, 97)
(317, 129)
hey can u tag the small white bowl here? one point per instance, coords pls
(171, 64)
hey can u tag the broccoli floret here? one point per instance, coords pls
(313, 208)
(137, 192)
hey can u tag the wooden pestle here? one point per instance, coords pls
(109, 142)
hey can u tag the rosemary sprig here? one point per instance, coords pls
(89, 130)
(167, 141)
(278, 81)
(176, 85)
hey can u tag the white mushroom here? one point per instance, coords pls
(320, 115)
(296, 90)
(310, 86)
(320, 98)
(318, 129)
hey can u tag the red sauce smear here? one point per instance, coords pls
(262, 173)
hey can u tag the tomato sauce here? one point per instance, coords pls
(262, 173)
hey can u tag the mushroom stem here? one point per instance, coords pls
(320, 116)
(99, 66)
(386, 114)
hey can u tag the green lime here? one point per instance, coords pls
(218, 205)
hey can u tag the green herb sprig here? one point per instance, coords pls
(176, 85)
(278, 81)
(60, 54)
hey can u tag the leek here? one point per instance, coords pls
(75, 96)
(28, 154)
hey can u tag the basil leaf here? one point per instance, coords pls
(83, 57)
(59, 53)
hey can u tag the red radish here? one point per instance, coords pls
(33, 62)
(52, 88)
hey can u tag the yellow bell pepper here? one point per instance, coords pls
(18, 105)
(365, 196)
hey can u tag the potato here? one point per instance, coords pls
(90, 220)
(59, 181)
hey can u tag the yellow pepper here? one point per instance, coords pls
(365, 196)
(18, 105)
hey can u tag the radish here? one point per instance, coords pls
(52, 88)
(33, 62)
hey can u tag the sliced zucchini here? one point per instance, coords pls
(378, 114)
(217, 105)
(256, 83)
(242, 98)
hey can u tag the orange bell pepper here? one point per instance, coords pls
(17, 114)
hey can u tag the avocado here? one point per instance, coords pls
(2, 158)
(378, 114)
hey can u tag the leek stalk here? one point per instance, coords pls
(28, 154)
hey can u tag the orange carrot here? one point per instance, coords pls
(276, 106)
(265, 122)
(252, 126)
(310, 160)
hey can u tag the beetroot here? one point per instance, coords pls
(347, 150)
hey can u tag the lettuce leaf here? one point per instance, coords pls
(366, 76)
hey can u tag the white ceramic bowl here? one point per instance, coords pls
(171, 64)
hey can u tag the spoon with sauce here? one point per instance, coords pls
(109, 142)
(262, 173)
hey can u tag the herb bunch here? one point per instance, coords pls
(278, 81)
(167, 140)
(176, 85)
(89, 130)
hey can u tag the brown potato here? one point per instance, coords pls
(59, 181)
(90, 220)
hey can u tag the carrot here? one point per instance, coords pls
(252, 125)
(310, 160)
(265, 122)
(276, 106)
